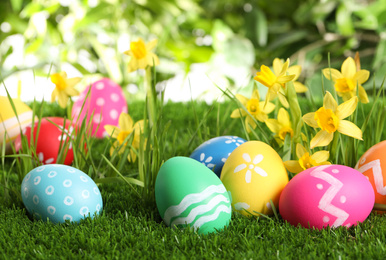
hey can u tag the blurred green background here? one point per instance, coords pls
(230, 40)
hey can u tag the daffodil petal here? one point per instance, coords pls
(348, 68)
(300, 150)
(283, 117)
(332, 74)
(112, 131)
(284, 68)
(363, 95)
(320, 156)
(250, 123)
(277, 66)
(152, 60)
(299, 87)
(72, 81)
(361, 76)
(322, 138)
(238, 113)
(349, 128)
(295, 70)
(255, 94)
(293, 166)
(62, 99)
(151, 45)
(54, 95)
(329, 102)
(273, 125)
(70, 91)
(266, 108)
(125, 122)
(347, 108)
(285, 79)
(243, 100)
(283, 100)
(309, 119)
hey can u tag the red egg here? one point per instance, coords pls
(51, 138)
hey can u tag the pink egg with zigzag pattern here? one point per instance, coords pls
(103, 106)
(327, 195)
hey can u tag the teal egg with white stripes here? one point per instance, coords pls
(59, 192)
(188, 194)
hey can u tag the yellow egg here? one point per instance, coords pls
(254, 174)
(9, 124)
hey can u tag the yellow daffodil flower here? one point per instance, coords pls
(330, 119)
(64, 88)
(348, 79)
(274, 81)
(306, 160)
(141, 55)
(258, 109)
(280, 126)
(126, 127)
(292, 70)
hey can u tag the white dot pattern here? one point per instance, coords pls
(37, 180)
(114, 97)
(50, 190)
(319, 186)
(60, 193)
(326, 219)
(67, 183)
(114, 114)
(52, 174)
(68, 201)
(100, 101)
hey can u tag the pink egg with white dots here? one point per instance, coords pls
(327, 195)
(106, 102)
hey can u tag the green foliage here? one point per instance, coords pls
(244, 33)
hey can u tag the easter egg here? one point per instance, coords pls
(214, 152)
(102, 107)
(51, 140)
(373, 165)
(59, 193)
(327, 195)
(188, 194)
(254, 174)
(10, 125)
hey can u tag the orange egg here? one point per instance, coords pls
(373, 165)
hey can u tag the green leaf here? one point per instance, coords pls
(16, 5)
(344, 21)
(261, 28)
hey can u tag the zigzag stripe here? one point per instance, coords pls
(190, 199)
(329, 195)
(200, 210)
(377, 173)
(205, 219)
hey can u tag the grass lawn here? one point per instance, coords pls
(129, 229)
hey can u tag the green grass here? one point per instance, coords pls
(129, 229)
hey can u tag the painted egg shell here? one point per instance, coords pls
(254, 174)
(373, 165)
(214, 152)
(106, 101)
(327, 195)
(9, 122)
(50, 139)
(187, 193)
(60, 192)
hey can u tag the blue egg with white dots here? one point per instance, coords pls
(59, 192)
(214, 152)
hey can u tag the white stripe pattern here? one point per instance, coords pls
(174, 211)
(200, 210)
